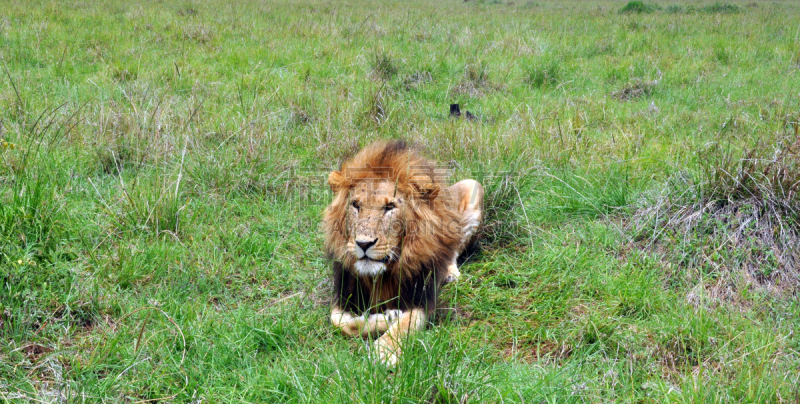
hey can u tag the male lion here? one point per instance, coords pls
(394, 233)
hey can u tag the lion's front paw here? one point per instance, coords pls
(452, 273)
(386, 352)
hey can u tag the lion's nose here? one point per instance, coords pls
(366, 244)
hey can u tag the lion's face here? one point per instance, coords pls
(387, 214)
(374, 225)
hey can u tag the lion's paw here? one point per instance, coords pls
(392, 315)
(452, 273)
(385, 353)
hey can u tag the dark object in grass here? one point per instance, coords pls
(638, 7)
(455, 112)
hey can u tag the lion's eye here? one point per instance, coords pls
(356, 205)
(388, 207)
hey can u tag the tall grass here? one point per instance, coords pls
(160, 208)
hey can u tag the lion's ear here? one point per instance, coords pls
(336, 181)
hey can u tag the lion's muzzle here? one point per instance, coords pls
(364, 246)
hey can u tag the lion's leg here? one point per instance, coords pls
(389, 346)
(452, 271)
(469, 197)
(364, 326)
(470, 205)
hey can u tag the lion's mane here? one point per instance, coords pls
(430, 236)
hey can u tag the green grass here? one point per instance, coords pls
(638, 7)
(162, 178)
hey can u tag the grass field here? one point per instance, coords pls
(162, 179)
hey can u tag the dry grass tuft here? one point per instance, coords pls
(417, 79)
(376, 110)
(198, 33)
(635, 89)
(383, 67)
(187, 10)
(504, 221)
(546, 351)
(299, 114)
(739, 225)
(475, 83)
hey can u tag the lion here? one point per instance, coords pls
(394, 233)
